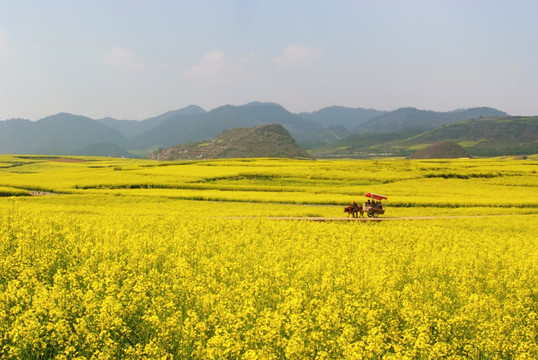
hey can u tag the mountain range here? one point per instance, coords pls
(67, 134)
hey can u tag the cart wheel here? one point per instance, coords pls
(370, 213)
(376, 214)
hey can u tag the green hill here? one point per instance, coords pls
(482, 137)
(268, 140)
(411, 118)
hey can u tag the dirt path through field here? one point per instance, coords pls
(366, 219)
(41, 193)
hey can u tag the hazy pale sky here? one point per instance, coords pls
(133, 59)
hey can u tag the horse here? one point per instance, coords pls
(349, 210)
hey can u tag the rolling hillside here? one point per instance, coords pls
(484, 137)
(411, 118)
(480, 137)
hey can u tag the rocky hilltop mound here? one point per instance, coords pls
(441, 150)
(268, 140)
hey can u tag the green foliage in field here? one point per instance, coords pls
(9, 191)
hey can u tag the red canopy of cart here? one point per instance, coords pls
(376, 196)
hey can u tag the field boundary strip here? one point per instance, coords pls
(366, 219)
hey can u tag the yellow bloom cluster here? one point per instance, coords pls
(133, 261)
(124, 285)
(417, 183)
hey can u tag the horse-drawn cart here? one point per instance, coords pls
(375, 208)
(372, 208)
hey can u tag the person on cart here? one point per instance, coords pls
(374, 206)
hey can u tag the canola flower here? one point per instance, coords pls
(169, 287)
(125, 265)
(476, 182)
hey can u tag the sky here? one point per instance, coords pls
(134, 59)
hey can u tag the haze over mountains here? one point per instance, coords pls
(67, 134)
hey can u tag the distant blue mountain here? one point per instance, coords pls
(181, 129)
(347, 117)
(406, 118)
(59, 134)
(132, 128)
(73, 134)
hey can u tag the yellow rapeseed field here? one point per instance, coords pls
(135, 259)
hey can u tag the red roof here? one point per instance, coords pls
(376, 196)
